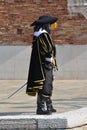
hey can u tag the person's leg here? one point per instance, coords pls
(40, 104)
(52, 108)
(47, 90)
(49, 104)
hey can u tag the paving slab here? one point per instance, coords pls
(67, 120)
(67, 95)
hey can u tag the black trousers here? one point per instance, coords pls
(48, 84)
(45, 94)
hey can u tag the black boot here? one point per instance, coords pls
(40, 106)
(49, 106)
(53, 110)
(41, 111)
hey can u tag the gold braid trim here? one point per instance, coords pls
(43, 44)
(50, 47)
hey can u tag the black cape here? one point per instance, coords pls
(42, 47)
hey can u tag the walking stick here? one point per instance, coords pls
(17, 90)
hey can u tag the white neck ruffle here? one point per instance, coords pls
(38, 33)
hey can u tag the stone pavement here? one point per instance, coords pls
(67, 95)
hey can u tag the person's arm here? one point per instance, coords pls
(46, 45)
(48, 49)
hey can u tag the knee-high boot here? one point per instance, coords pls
(49, 105)
(40, 105)
(53, 109)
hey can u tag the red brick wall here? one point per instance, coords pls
(17, 15)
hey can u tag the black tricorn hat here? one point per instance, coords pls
(45, 19)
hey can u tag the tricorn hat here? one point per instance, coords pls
(45, 19)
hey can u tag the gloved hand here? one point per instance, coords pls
(53, 61)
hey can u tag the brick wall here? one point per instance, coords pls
(17, 15)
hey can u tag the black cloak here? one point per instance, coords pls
(42, 47)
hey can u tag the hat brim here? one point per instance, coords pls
(44, 20)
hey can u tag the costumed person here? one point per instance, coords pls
(42, 62)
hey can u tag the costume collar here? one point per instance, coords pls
(38, 33)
